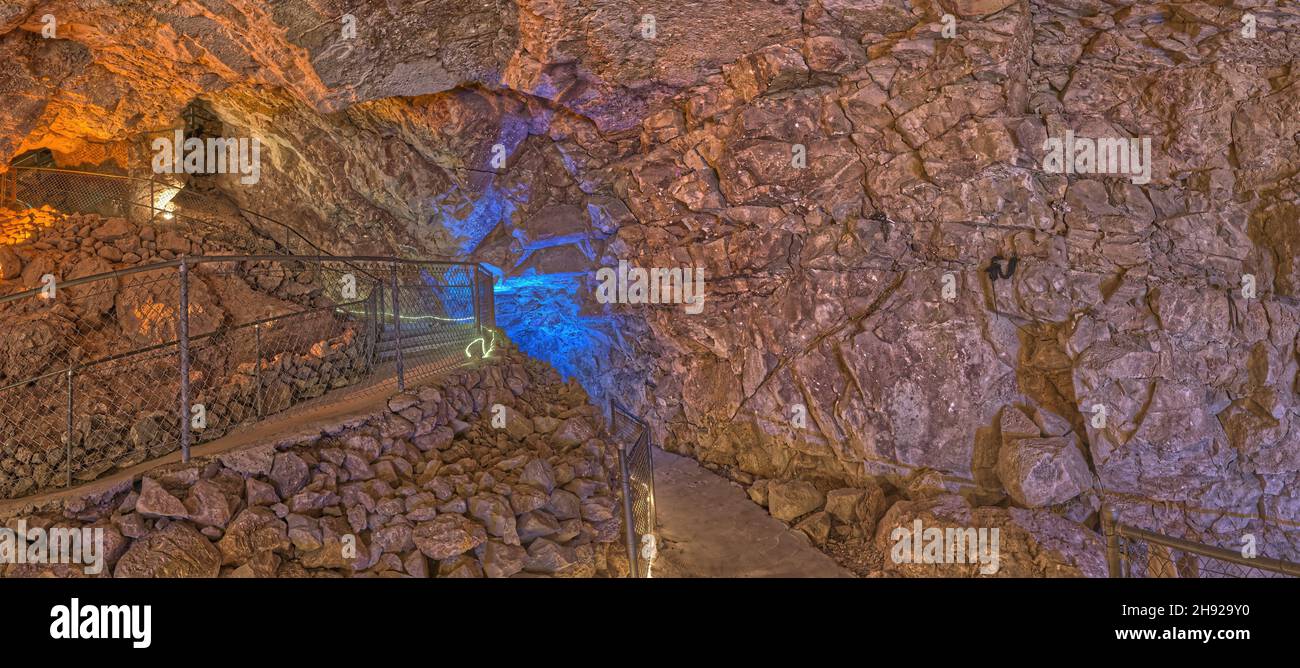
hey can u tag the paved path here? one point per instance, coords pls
(708, 527)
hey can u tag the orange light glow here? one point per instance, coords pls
(17, 227)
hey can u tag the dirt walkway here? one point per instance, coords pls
(708, 527)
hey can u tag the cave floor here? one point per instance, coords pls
(708, 527)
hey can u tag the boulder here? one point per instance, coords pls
(502, 560)
(251, 461)
(494, 513)
(788, 500)
(1040, 472)
(448, 535)
(254, 530)
(175, 551)
(206, 505)
(156, 502)
(538, 473)
(11, 266)
(860, 507)
(288, 474)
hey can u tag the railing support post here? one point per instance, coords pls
(183, 327)
(377, 324)
(1110, 531)
(477, 300)
(397, 331)
(68, 446)
(629, 528)
(257, 370)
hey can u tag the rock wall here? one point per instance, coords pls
(425, 487)
(924, 157)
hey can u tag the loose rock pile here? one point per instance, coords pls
(40, 241)
(427, 487)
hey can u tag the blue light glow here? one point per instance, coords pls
(490, 208)
(540, 313)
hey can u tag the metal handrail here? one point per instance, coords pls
(1116, 561)
(14, 171)
(167, 344)
(193, 193)
(626, 453)
(197, 260)
(201, 259)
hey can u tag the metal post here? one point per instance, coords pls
(1109, 530)
(68, 453)
(397, 332)
(478, 307)
(375, 298)
(152, 211)
(629, 529)
(650, 471)
(184, 344)
(257, 373)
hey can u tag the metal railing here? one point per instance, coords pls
(636, 471)
(1132, 552)
(172, 204)
(109, 370)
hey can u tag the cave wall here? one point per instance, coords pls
(824, 283)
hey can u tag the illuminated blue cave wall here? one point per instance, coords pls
(540, 314)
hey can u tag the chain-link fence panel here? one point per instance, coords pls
(289, 332)
(182, 218)
(429, 319)
(1258, 548)
(87, 360)
(632, 436)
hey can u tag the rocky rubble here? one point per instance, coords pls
(857, 526)
(44, 240)
(426, 487)
(819, 511)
